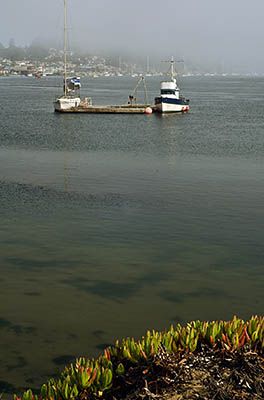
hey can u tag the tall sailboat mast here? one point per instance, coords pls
(65, 47)
(70, 99)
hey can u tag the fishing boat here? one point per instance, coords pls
(71, 85)
(170, 99)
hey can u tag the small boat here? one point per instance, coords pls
(71, 88)
(170, 99)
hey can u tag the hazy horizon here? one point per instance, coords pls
(229, 34)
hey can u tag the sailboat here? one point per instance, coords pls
(71, 88)
(170, 99)
(70, 100)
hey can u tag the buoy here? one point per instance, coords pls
(148, 110)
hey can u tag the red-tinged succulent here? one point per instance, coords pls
(91, 378)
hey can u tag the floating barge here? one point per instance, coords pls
(107, 109)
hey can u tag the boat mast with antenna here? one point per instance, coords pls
(172, 68)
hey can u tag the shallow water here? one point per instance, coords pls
(115, 224)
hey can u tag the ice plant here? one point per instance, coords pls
(91, 378)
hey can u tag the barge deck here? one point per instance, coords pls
(108, 109)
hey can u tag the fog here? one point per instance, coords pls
(228, 32)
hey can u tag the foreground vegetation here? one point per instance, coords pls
(93, 379)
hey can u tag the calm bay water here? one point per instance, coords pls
(115, 224)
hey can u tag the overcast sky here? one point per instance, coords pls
(226, 32)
